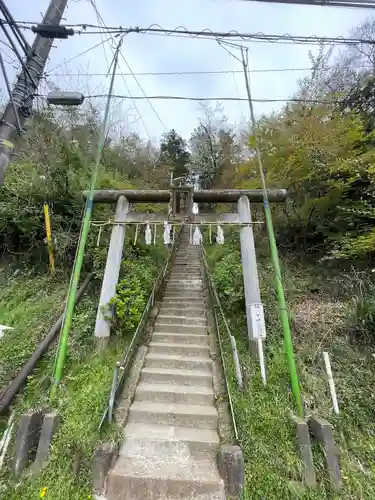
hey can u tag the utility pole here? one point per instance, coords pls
(283, 310)
(25, 87)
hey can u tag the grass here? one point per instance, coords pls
(81, 402)
(30, 303)
(321, 311)
(83, 394)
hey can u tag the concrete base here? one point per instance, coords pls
(49, 427)
(231, 469)
(104, 458)
(27, 440)
(303, 440)
(101, 343)
(322, 430)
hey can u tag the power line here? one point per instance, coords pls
(131, 71)
(143, 92)
(186, 73)
(366, 4)
(208, 33)
(189, 98)
(123, 79)
(26, 48)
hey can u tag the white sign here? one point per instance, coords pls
(257, 321)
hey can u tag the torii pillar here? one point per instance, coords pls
(254, 307)
(111, 274)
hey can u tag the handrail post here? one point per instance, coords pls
(111, 273)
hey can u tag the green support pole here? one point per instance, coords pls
(283, 310)
(69, 309)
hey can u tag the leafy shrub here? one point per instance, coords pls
(139, 270)
(229, 282)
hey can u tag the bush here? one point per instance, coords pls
(139, 270)
(229, 282)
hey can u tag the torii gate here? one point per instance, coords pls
(180, 213)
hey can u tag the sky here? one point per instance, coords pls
(153, 53)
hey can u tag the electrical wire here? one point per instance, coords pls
(185, 73)
(366, 4)
(8, 59)
(7, 84)
(189, 98)
(99, 16)
(93, 4)
(143, 92)
(26, 48)
(79, 55)
(208, 33)
(16, 52)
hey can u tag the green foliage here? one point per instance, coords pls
(174, 154)
(362, 318)
(83, 393)
(228, 279)
(29, 303)
(131, 295)
(55, 165)
(138, 271)
(321, 322)
(323, 158)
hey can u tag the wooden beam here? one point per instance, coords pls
(205, 196)
(233, 195)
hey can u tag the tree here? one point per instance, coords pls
(214, 152)
(174, 155)
(322, 157)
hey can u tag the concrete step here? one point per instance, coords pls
(185, 284)
(139, 478)
(163, 440)
(183, 291)
(202, 377)
(183, 263)
(179, 328)
(196, 312)
(180, 338)
(184, 276)
(179, 302)
(182, 362)
(193, 416)
(184, 296)
(195, 350)
(189, 306)
(185, 280)
(180, 319)
(186, 266)
(174, 393)
(188, 273)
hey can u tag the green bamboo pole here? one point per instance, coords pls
(78, 261)
(283, 309)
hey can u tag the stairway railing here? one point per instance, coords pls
(123, 366)
(217, 307)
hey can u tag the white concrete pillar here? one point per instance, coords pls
(254, 309)
(112, 271)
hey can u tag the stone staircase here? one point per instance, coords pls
(171, 438)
